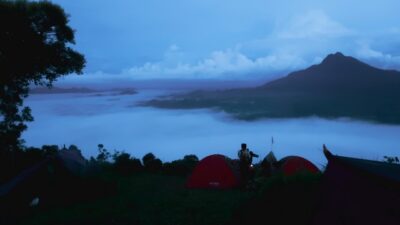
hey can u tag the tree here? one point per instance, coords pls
(391, 159)
(191, 158)
(35, 48)
(181, 167)
(125, 164)
(148, 158)
(103, 154)
(151, 163)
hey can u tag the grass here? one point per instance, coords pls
(148, 199)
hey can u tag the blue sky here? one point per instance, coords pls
(229, 39)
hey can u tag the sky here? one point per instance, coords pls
(228, 39)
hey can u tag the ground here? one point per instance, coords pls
(148, 199)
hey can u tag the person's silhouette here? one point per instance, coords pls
(246, 159)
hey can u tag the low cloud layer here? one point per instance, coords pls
(227, 64)
(88, 120)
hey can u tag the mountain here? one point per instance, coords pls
(340, 86)
(338, 73)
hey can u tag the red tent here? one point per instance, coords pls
(214, 171)
(294, 164)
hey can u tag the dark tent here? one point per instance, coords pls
(41, 180)
(294, 164)
(358, 191)
(73, 161)
(214, 171)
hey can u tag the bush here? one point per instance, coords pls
(294, 195)
(182, 167)
(391, 159)
(154, 165)
(50, 149)
(148, 158)
(191, 158)
(125, 164)
(151, 163)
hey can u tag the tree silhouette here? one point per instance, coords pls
(35, 48)
(151, 163)
(103, 154)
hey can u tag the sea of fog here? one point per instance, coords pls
(115, 121)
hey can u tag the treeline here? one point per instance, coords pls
(123, 163)
(118, 161)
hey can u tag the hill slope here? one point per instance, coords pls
(339, 73)
(340, 86)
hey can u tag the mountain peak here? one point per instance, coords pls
(339, 62)
(337, 54)
(334, 57)
(337, 72)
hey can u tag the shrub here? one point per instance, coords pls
(391, 159)
(125, 164)
(50, 149)
(148, 158)
(182, 167)
(151, 163)
(191, 158)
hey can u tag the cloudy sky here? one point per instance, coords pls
(229, 39)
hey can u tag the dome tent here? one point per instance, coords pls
(215, 172)
(63, 169)
(294, 164)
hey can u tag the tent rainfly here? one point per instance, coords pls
(358, 191)
(214, 172)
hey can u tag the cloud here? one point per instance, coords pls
(227, 64)
(300, 41)
(313, 24)
(385, 60)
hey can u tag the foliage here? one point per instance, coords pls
(279, 180)
(146, 199)
(24, 159)
(74, 148)
(281, 200)
(182, 167)
(391, 159)
(191, 158)
(148, 158)
(35, 48)
(103, 154)
(125, 164)
(151, 163)
(111, 197)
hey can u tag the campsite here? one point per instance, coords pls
(206, 191)
(199, 112)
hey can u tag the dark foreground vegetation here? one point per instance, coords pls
(120, 189)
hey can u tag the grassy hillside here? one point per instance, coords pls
(147, 198)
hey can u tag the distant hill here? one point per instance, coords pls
(80, 90)
(340, 86)
(57, 90)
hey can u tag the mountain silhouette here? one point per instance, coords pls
(340, 86)
(339, 74)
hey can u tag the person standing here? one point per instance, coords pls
(245, 161)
